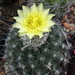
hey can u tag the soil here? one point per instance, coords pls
(7, 11)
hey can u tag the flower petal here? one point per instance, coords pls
(40, 34)
(30, 35)
(40, 7)
(18, 19)
(22, 30)
(17, 25)
(20, 13)
(46, 29)
(33, 8)
(22, 34)
(49, 17)
(45, 12)
(50, 23)
(26, 10)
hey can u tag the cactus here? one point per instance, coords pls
(44, 56)
(37, 56)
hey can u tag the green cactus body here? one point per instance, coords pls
(44, 56)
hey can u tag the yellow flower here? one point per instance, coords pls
(33, 21)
